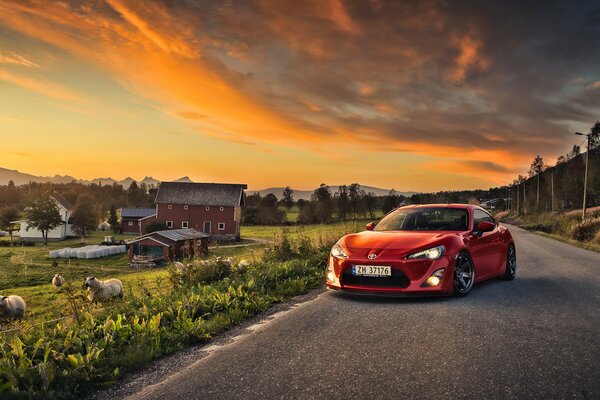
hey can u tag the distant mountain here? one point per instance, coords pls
(305, 194)
(21, 178)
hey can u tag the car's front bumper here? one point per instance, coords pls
(409, 277)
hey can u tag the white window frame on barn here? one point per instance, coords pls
(185, 224)
(221, 208)
(130, 223)
(221, 226)
(170, 206)
(185, 207)
(169, 224)
(207, 208)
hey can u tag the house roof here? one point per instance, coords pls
(137, 212)
(62, 201)
(205, 194)
(172, 236)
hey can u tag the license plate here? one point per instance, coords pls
(371, 270)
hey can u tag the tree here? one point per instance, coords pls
(155, 226)
(574, 152)
(356, 194)
(288, 197)
(595, 135)
(323, 203)
(42, 214)
(390, 201)
(537, 167)
(7, 215)
(112, 216)
(342, 202)
(85, 216)
(370, 203)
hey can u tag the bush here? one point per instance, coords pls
(25, 243)
(586, 230)
(201, 271)
(4, 243)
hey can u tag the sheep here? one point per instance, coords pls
(12, 307)
(243, 264)
(103, 290)
(181, 268)
(58, 281)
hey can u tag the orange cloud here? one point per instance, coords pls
(8, 57)
(469, 57)
(48, 89)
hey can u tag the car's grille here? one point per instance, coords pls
(398, 279)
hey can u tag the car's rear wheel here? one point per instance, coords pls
(511, 264)
(464, 274)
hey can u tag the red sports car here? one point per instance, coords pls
(423, 250)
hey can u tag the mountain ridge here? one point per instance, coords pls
(22, 178)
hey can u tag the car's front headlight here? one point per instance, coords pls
(432, 254)
(337, 251)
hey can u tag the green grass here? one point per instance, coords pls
(312, 231)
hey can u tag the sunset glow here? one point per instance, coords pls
(420, 96)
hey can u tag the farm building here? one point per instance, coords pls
(168, 245)
(212, 208)
(61, 232)
(130, 219)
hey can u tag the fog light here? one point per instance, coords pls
(433, 281)
(331, 277)
(436, 278)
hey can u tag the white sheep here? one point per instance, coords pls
(58, 281)
(181, 268)
(103, 290)
(11, 307)
(243, 264)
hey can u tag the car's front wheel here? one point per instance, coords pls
(464, 274)
(511, 264)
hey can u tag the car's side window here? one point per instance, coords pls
(480, 216)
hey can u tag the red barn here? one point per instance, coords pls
(213, 208)
(130, 218)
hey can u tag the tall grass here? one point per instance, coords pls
(101, 342)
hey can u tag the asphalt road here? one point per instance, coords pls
(535, 337)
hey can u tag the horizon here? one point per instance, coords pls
(425, 96)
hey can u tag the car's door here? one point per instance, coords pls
(485, 247)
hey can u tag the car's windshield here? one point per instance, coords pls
(425, 219)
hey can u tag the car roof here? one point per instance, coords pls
(463, 206)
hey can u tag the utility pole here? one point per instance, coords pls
(552, 198)
(518, 212)
(587, 160)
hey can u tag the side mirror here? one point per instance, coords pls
(370, 226)
(485, 226)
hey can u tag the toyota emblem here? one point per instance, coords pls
(372, 256)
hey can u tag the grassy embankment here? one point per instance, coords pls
(566, 227)
(162, 312)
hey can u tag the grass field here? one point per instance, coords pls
(27, 271)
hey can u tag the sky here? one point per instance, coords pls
(411, 95)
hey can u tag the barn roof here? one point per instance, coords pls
(62, 201)
(171, 236)
(137, 212)
(205, 194)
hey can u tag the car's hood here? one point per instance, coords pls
(390, 243)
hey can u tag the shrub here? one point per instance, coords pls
(26, 243)
(201, 271)
(585, 230)
(4, 243)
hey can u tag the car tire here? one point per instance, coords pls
(464, 274)
(510, 271)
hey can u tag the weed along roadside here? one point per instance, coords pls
(73, 356)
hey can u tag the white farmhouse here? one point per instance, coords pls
(61, 232)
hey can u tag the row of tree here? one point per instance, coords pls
(559, 187)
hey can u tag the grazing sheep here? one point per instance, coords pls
(58, 281)
(11, 307)
(181, 268)
(103, 290)
(243, 264)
